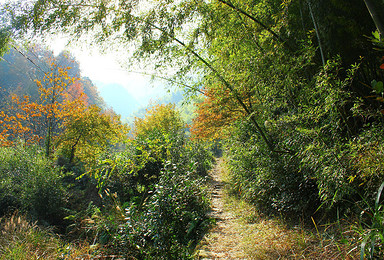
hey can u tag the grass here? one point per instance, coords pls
(271, 238)
(23, 240)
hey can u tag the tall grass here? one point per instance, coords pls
(371, 228)
(266, 237)
(23, 240)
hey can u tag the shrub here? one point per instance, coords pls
(172, 219)
(31, 183)
(159, 179)
(271, 181)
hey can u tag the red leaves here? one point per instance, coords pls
(214, 114)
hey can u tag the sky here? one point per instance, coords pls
(114, 83)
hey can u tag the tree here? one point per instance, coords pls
(266, 30)
(214, 115)
(21, 66)
(21, 122)
(156, 30)
(35, 121)
(4, 39)
(5, 34)
(88, 132)
(163, 119)
(52, 90)
(158, 138)
(260, 59)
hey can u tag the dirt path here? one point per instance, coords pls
(223, 241)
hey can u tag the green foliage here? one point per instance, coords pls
(30, 183)
(90, 132)
(4, 40)
(159, 138)
(165, 203)
(366, 151)
(306, 132)
(372, 229)
(272, 182)
(159, 119)
(325, 122)
(159, 179)
(171, 220)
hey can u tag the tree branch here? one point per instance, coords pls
(375, 17)
(275, 35)
(226, 84)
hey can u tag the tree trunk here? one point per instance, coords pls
(317, 33)
(375, 17)
(48, 139)
(72, 155)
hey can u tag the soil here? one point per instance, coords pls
(224, 240)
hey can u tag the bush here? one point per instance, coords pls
(366, 153)
(159, 180)
(271, 181)
(134, 172)
(165, 218)
(29, 182)
(171, 221)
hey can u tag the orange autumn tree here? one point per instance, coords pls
(52, 91)
(217, 112)
(39, 121)
(61, 119)
(20, 123)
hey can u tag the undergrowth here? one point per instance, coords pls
(265, 237)
(22, 240)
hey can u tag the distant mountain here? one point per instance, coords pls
(186, 109)
(117, 97)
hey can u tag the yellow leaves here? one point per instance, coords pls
(19, 116)
(14, 97)
(163, 118)
(88, 132)
(38, 83)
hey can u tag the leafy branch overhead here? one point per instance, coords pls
(161, 30)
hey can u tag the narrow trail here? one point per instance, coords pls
(223, 241)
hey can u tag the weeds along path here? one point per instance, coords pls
(222, 242)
